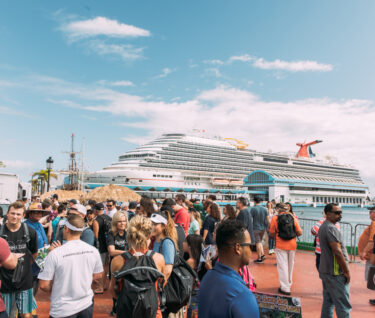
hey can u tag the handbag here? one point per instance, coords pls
(371, 278)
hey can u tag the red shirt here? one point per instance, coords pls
(182, 218)
(4, 254)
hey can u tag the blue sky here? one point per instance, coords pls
(118, 73)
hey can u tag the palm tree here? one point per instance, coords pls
(42, 179)
(2, 164)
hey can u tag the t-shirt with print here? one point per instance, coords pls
(71, 267)
(209, 225)
(193, 227)
(168, 250)
(366, 236)
(119, 241)
(328, 264)
(17, 244)
(4, 254)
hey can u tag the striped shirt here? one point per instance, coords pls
(315, 231)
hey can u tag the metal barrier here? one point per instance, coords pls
(358, 230)
(306, 240)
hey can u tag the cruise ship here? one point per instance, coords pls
(198, 165)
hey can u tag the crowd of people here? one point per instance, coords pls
(174, 258)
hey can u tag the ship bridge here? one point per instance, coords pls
(307, 188)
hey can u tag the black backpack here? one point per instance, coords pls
(286, 227)
(138, 296)
(179, 287)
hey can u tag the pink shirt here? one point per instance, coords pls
(4, 254)
(182, 218)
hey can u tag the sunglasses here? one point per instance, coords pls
(338, 212)
(109, 206)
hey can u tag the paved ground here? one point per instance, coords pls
(307, 285)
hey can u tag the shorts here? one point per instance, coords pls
(258, 235)
(104, 257)
(367, 269)
(25, 301)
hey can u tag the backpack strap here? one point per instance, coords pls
(150, 253)
(161, 246)
(27, 232)
(127, 256)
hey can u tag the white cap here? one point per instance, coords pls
(80, 208)
(124, 204)
(157, 218)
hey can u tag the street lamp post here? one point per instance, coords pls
(49, 163)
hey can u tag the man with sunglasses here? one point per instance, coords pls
(111, 208)
(223, 293)
(333, 267)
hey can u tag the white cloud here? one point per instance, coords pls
(346, 126)
(213, 62)
(122, 83)
(293, 66)
(124, 51)
(165, 72)
(116, 83)
(17, 164)
(14, 112)
(241, 58)
(102, 26)
(213, 71)
(296, 66)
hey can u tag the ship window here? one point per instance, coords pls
(170, 176)
(140, 180)
(154, 175)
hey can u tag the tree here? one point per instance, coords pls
(41, 179)
(2, 164)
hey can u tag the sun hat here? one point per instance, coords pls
(158, 218)
(36, 207)
(80, 208)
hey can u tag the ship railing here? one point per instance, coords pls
(307, 240)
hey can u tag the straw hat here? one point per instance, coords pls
(36, 207)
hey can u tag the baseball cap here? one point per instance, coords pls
(99, 206)
(80, 208)
(74, 201)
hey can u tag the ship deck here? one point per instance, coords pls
(306, 285)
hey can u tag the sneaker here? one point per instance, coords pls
(284, 292)
(263, 257)
(258, 261)
(372, 301)
(270, 252)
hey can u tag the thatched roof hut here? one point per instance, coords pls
(114, 192)
(64, 195)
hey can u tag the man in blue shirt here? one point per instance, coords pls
(259, 215)
(245, 217)
(223, 293)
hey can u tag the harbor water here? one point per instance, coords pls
(353, 216)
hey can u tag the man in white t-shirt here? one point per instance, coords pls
(69, 270)
(111, 207)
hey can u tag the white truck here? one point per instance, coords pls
(12, 189)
